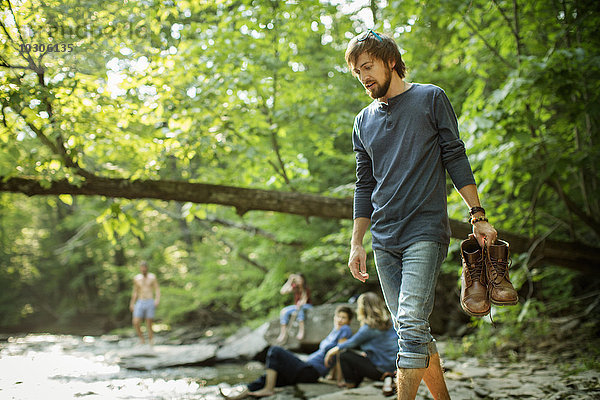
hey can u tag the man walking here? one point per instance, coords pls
(144, 299)
(404, 142)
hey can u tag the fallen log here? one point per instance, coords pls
(571, 255)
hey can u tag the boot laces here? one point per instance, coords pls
(474, 271)
(496, 269)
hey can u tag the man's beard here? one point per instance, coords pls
(380, 90)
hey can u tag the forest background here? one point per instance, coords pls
(234, 95)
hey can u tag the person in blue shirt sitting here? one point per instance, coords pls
(284, 368)
(371, 352)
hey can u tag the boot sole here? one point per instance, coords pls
(473, 314)
(505, 303)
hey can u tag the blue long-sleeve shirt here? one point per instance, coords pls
(403, 149)
(381, 346)
(317, 359)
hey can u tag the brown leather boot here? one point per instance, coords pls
(474, 298)
(502, 292)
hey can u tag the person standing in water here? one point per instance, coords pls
(144, 300)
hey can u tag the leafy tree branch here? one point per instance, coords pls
(570, 255)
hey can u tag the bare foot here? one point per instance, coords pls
(300, 334)
(262, 393)
(281, 338)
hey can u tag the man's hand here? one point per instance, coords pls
(358, 263)
(156, 303)
(131, 307)
(484, 230)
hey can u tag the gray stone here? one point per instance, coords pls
(588, 376)
(284, 393)
(461, 393)
(244, 345)
(318, 324)
(472, 372)
(145, 358)
(481, 391)
(314, 390)
(527, 390)
(495, 385)
(365, 391)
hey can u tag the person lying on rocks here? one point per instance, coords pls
(284, 368)
(371, 352)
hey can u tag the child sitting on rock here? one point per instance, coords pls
(296, 284)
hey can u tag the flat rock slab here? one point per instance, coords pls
(365, 391)
(146, 358)
(314, 390)
(281, 393)
(244, 345)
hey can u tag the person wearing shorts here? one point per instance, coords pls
(144, 309)
(144, 300)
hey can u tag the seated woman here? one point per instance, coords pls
(284, 368)
(296, 284)
(376, 340)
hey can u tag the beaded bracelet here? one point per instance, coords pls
(476, 209)
(478, 219)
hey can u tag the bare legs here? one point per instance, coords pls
(434, 379)
(409, 379)
(300, 334)
(269, 389)
(137, 324)
(282, 334)
(149, 329)
(287, 317)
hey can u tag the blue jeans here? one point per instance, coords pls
(408, 279)
(287, 312)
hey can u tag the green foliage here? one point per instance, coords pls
(548, 321)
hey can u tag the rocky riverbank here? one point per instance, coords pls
(192, 364)
(70, 367)
(535, 375)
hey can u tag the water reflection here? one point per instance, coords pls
(70, 367)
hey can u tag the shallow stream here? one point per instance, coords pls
(42, 366)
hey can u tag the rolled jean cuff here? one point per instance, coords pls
(412, 360)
